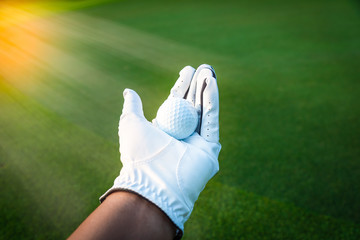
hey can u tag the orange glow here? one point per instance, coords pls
(18, 45)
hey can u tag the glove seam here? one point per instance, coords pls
(129, 162)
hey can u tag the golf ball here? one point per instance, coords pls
(177, 117)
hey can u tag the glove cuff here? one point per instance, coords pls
(158, 186)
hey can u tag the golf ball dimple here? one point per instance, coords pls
(177, 117)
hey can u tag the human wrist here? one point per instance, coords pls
(143, 214)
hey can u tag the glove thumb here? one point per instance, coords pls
(132, 103)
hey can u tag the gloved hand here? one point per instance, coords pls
(168, 172)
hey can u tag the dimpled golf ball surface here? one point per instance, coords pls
(177, 117)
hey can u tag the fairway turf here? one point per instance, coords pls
(289, 123)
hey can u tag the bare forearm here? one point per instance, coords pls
(125, 215)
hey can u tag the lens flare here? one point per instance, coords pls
(18, 47)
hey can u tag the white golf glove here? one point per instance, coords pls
(168, 172)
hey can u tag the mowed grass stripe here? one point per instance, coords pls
(225, 212)
(61, 168)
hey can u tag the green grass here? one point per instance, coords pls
(290, 105)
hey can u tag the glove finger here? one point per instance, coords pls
(209, 124)
(191, 96)
(132, 103)
(202, 66)
(204, 74)
(182, 84)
